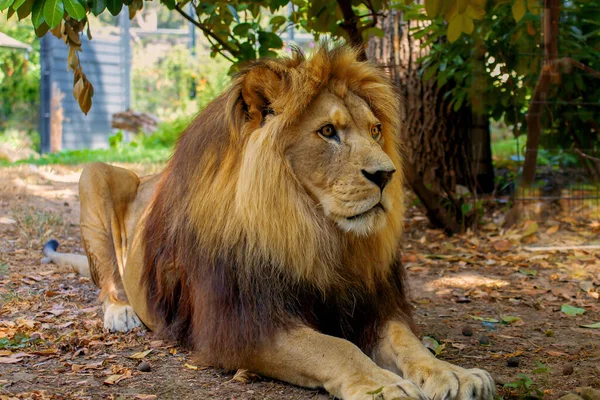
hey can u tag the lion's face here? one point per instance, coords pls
(337, 155)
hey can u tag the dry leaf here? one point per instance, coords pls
(114, 379)
(502, 245)
(145, 396)
(190, 366)
(555, 353)
(552, 230)
(244, 376)
(141, 354)
(13, 359)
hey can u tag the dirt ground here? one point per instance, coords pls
(485, 298)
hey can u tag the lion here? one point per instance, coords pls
(270, 241)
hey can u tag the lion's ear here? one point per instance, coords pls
(261, 87)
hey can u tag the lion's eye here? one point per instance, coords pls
(328, 131)
(376, 131)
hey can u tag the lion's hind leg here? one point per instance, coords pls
(106, 192)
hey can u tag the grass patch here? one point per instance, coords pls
(126, 154)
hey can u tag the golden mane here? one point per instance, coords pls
(235, 248)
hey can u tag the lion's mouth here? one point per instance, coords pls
(363, 214)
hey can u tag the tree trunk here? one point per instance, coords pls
(548, 74)
(438, 142)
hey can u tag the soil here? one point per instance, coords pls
(484, 298)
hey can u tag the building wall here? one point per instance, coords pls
(106, 63)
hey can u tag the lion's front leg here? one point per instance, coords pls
(307, 358)
(401, 351)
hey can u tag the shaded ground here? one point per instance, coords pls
(52, 344)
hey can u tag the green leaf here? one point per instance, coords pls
(37, 14)
(376, 391)
(518, 9)
(492, 320)
(53, 12)
(242, 29)
(526, 271)
(433, 345)
(98, 7)
(17, 4)
(25, 9)
(42, 29)
(74, 9)
(571, 311)
(4, 4)
(591, 326)
(454, 28)
(114, 6)
(277, 21)
(432, 7)
(508, 319)
(269, 40)
(233, 12)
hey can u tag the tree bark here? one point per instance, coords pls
(437, 140)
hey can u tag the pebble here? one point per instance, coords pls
(467, 331)
(513, 362)
(144, 367)
(568, 370)
(485, 340)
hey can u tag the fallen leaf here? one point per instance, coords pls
(13, 359)
(586, 286)
(141, 354)
(190, 366)
(527, 271)
(145, 396)
(531, 227)
(555, 353)
(7, 221)
(492, 320)
(4, 353)
(244, 376)
(572, 311)
(508, 319)
(591, 326)
(502, 245)
(114, 379)
(552, 230)
(433, 345)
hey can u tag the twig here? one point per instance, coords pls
(582, 154)
(562, 248)
(209, 33)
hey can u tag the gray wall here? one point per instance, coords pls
(106, 63)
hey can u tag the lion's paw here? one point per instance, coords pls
(120, 318)
(445, 381)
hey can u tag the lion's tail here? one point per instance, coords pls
(76, 261)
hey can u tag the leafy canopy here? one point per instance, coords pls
(245, 30)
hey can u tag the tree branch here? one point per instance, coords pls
(226, 46)
(350, 25)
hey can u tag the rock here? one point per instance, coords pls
(588, 393)
(567, 370)
(484, 340)
(513, 362)
(467, 331)
(7, 221)
(144, 367)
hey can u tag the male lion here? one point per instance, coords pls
(270, 241)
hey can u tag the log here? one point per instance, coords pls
(135, 122)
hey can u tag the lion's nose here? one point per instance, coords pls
(380, 177)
